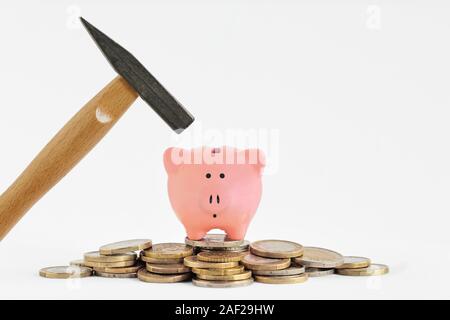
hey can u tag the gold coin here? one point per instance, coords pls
(372, 270)
(354, 263)
(219, 272)
(319, 258)
(193, 262)
(276, 249)
(65, 272)
(232, 277)
(253, 262)
(282, 279)
(125, 246)
(316, 272)
(215, 241)
(220, 256)
(116, 275)
(169, 251)
(77, 263)
(221, 284)
(146, 276)
(119, 264)
(161, 260)
(291, 271)
(122, 270)
(95, 256)
(167, 268)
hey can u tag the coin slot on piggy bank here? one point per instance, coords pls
(214, 188)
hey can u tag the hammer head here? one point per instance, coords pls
(139, 78)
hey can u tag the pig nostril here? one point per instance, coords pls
(218, 199)
(210, 199)
(214, 215)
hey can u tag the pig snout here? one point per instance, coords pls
(214, 202)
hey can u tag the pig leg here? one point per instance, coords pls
(195, 234)
(236, 232)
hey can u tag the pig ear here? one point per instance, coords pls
(173, 158)
(256, 158)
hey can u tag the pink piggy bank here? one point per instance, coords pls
(214, 188)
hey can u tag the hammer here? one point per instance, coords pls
(88, 127)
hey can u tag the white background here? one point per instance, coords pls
(357, 89)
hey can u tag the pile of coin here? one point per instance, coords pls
(215, 262)
(164, 263)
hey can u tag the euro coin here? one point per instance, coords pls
(319, 258)
(242, 248)
(95, 256)
(215, 241)
(119, 264)
(116, 275)
(161, 260)
(146, 276)
(220, 256)
(219, 272)
(316, 272)
(232, 277)
(282, 279)
(169, 251)
(167, 268)
(193, 262)
(276, 249)
(372, 270)
(122, 270)
(354, 263)
(65, 272)
(291, 271)
(221, 284)
(253, 262)
(125, 246)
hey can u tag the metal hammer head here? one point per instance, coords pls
(150, 90)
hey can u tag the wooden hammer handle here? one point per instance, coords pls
(65, 150)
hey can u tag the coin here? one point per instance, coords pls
(65, 272)
(319, 258)
(282, 279)
(276, 249)
(77, 263)
(167, 268)
(119, 264)
(125, 246)
(242, 248)
(232, 277)
(219, 272)
(95, 256)
(372, 270)
(316, 272)
(169, 251)
(161, 260)
(193, 262)
(253, 262)
(122, 270)
(146, 276)
(292, 270)
(221, 284)
(354, 263)
(220, 256)
(215, 241)
(116, 275)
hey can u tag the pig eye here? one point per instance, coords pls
(222, 176)
(208, 175)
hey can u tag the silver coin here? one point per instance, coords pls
(291, 271)
(316, 272)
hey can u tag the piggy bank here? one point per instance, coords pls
(214, 188)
